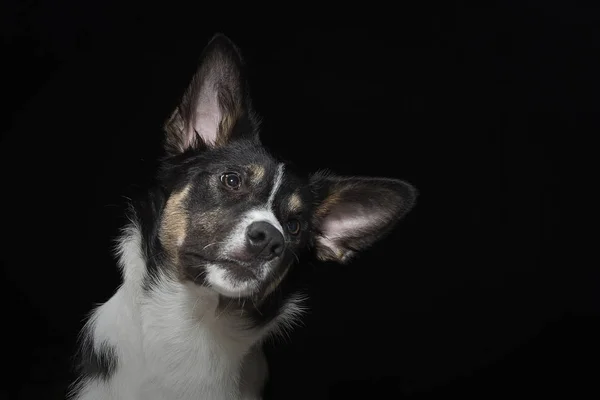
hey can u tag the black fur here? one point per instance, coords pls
(97, 364)
(145, 212)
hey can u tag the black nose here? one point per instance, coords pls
(264, 241)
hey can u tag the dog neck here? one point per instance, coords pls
(168, 342)
(172, 339)
(171, 308)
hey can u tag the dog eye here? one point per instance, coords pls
(293, 226)
(231, 180)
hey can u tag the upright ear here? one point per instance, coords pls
(215, 107)
(353, 213)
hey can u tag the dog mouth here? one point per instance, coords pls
(238, 270)
(232, 278)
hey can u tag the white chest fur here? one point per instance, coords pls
(174, 343)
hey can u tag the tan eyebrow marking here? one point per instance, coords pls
(258, 173)
(295, 202)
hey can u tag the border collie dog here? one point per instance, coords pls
(208, 256)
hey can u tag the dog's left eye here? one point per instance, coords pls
(231, 180)
(293, 226)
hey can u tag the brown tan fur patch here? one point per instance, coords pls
(329, 202)
(295, 202)
(258, 173)
(227, 123)
(327, 250)
(173, 229)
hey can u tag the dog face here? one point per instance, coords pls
(236, 218)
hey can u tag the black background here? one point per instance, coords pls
(474, 295)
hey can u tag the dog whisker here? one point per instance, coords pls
(202, 272)
(211, 244)
(242, 308)
(255, 307)
(295, 255)
(223, 310)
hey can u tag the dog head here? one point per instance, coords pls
(236, 218)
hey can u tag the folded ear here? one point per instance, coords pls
(353, 213)
(215, 107)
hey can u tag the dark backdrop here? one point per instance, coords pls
(473, 295)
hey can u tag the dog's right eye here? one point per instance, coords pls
(231, 180)
(293, 226)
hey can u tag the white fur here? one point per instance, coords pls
(276, 186)
(173, 343)
(219, 280)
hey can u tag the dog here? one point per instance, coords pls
(209, 252)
